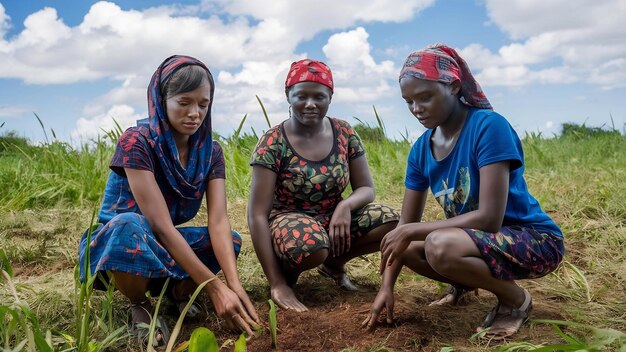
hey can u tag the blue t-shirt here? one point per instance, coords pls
(486, 138)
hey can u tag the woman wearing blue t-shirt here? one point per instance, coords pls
(472, 160)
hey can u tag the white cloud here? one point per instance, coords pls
(610, 74)
(90, 128)
(559, 41)
(357, 76)
(235, 94)
(305, 19)
(247, 44)
(13, 111)
(4, 21)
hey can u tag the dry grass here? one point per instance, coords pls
(577, 181)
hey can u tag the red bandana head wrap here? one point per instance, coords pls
(308, 70)
(443, 64)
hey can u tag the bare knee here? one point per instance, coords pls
(439, 250)
(314, 259)
(132, 286)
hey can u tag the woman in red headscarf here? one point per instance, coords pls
(297, 217)
(472, 160)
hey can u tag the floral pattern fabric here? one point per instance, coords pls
(517, 252)
(311, 187)
(296, 235)
(307, 192)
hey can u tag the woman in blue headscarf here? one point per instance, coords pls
(161, 170)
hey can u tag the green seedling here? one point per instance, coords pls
(273, 323)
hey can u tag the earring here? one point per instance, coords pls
(289, 111)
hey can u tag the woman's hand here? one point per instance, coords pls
(243, 297)
(384, 299)
(228, 306)
(339, 230)
(393, 245)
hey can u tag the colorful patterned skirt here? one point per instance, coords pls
(517, 252)
(296, 235)
(126, 244)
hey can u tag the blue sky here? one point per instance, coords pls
(80, 64)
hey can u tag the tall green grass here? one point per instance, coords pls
(576, 177)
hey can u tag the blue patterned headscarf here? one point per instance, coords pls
(190, 182)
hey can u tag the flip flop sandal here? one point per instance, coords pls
(521, 315)
(141, 329)
(342, 280)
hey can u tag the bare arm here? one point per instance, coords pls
(412, 210)
(152, 205)
(494, 185)
(362, 184)
(413, 206)
(259, 207)
(222, 243)
(219, 228)
(494, 188)
(261, 199)
(362, 194)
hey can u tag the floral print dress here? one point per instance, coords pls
(307, 192)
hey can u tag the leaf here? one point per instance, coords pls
(183, 346)
(179, 322)
(241, 344)
(267, 119)
(203, 340)
(273, 322)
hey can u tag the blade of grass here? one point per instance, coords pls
(269, 125)
(179, 323)
(42, 127)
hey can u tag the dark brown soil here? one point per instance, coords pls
(333, 322)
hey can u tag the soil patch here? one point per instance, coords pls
(335, 324)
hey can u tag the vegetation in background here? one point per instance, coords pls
(47, 191)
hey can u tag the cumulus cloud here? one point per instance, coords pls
(4, 21)
(88, 128)
(247, 44)
(308, 18)
(358, 78)
(585, 42)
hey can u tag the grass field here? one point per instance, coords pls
(49, 192)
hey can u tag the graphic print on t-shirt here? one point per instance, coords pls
(456, 200)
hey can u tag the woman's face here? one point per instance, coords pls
(309, 102)
(186, 111)
(430, 102)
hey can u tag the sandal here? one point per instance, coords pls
(514, 317)
(341, 279)
(178, 304)
(141, 317)
(458, 293)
